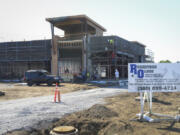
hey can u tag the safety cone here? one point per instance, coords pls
(57, 92)
(55, 96)
(59, 96)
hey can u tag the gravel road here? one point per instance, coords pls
(26, 113)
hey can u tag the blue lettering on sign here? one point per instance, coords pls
(133, 69)
(140, 73)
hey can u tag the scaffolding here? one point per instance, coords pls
(70, 58)
(17, 57)
(149, 56)
(108, 53)
(37, 50)
(104, 62)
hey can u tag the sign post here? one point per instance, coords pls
(142, 105)
(146, 78)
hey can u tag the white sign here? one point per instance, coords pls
(161, 77)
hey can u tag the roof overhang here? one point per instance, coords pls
(70, 41)
(62, 22)
(138, 43)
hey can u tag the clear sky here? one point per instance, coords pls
(155, 23)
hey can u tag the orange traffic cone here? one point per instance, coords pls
(55, 96)
(57, 92)
(59, 96)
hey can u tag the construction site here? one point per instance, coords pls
(100, 105)
(82, 48)
(93, 110)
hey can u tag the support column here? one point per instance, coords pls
(84, 51)
(54, 53)
(89, 60)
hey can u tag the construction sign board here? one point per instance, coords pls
(155, 77)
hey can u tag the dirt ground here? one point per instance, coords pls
(17, 91)
(114, 118)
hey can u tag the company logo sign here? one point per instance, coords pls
(161, 77)
(135, 71)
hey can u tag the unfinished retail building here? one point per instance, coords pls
(82, 48)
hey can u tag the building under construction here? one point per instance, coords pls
(83, 48)
(18, 57)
